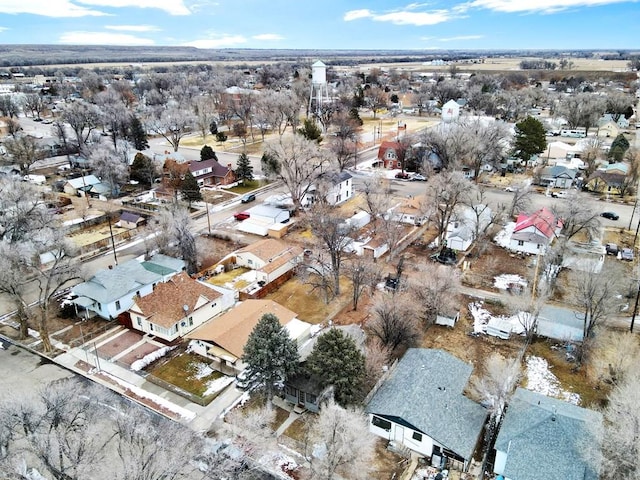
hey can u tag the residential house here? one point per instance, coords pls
(605, 182)
(411, 211)
(269, 258)
(461, 230)
(388, 153)
(468, 173)
(608, 130)
(222, 339)
(557, 176)
(543, 437)
(534, 233)
(303, 389)
(450, 111)
(621, 122)
(177, 306)
(79, 186)
(617, 168)
(336, 188)
(110, 292)
(210, 172)
(420, 405)
(131, 220)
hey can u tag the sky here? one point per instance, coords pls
(326, 24)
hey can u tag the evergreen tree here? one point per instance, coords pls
(221, 137)
(530, 139)
(213, 127)
(137, 134)
(244, 169)
(143, 169)
(189, 189)
(271, 356)
(207, 153)
(336, 361)
(618, 148)
(310, 130)
(353, 114)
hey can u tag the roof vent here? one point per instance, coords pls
(185, 308)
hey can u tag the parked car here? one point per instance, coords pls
(611, 248)
(560, 194)
(402, 175)
(626, 254)
(509, 189)
(610, 215)
(249, 197)
(241, 216)
(418, 178)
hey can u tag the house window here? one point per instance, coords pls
(250, 262)
(311, 398)
(417, 436)
(139, 321)
(175, 328)
(117, 304)
(539, 246)
(520, 243)
(151, 326)
(381, 423)
(213, 305)
(291, 391)
(138, 293)
(190, 321)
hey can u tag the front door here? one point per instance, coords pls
(300, 397)
(398, 433)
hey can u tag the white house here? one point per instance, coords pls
(461, 230)
(110, 292)
(176, 307)
(420, 405)
(222, 339)
(411, 211)
(261, 217)
(450, 111)
(269, 258)
(534, 233)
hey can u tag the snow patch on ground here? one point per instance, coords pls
(202, 370)
(541, 380)
(483, 317)
(140, 392)
(33, 333)
(503, 237)
(214, 386)
(504, 281)
(279, 462)
(149, 358)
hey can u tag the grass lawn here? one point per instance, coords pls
(248, 186)
(189, 372)
(229, 277)
(308, 303)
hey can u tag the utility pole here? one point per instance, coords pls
(206, 205)
(113, 243)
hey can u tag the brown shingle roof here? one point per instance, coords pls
(164, 307)
(273, 252)
(231, 329)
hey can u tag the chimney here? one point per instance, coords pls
(110, 267)
(229, 166)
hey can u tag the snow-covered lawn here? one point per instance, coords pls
(483, 318)
(504, 281)
(150, 358)
(540, 379)
(503, 237)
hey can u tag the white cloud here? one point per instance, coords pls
(3, 29)
(406, 16)
(218, 41)
(461, 37)
(172, 7)
(546, 6)
(133, 28)
(103, 38)
(356, 14)
(268, 37)
(47, 8)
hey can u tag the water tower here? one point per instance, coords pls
(319, 93)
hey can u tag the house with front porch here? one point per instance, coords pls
(388, 155)
(178, 306)
(557, 176)
(222, 339)
(543, 437)
(411, 211)
(534, 233)
(606, 182)
(461, 230)
(420, 405)
(269, 258)
(110, 292)
(210, 172)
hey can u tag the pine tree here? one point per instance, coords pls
(207, 153)
(189, 189)
(530, 139)
(271, 356)
(137, 134)
(244, 169)
(310, 130)
(336, 361)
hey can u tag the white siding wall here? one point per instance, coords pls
(404, 435)
(500, 463)
(244, 258)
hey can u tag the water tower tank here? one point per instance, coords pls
(318, 73)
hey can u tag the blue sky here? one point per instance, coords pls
(326, 24)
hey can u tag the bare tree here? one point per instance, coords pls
(577, 217)
(15, 280)
(483, 217)
(445, 192)
(520, 201)
(343, 143)
(449, 142)
(34, 103)
(177, 222)
(109, 167)
(83, 118)
(615, 355)
(394, 321)
(582, 109)
(204, 115)
(363, 272)
(253, 427)
(114, 113)
(594, 292)
(375, 98)
(435, 291)
(343, 445)
(25, 152)
(172, 123)
(493, 389)
(298, 163)
(488, 144)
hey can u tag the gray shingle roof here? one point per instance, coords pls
(539, 446)
(109, 285)
(425, 390)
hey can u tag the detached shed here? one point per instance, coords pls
(131, 220)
